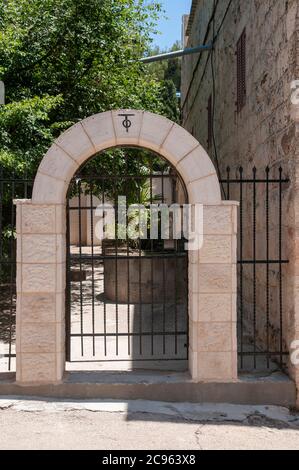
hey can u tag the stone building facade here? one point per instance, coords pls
(260, 130)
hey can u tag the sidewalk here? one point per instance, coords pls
(54, 424)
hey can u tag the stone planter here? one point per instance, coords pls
(124, 284)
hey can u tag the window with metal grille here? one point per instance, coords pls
(210, 122)
(241, 72)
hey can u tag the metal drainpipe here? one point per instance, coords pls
(175, 54)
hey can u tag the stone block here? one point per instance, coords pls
(60, 210)
(214, 308)
(234, 278)
(178, 144)
(216, 366)
(217, 220)
(37, 219)
(60, 337)
(193, 336)
(76, 143)
(39, 308)
(193, 368)
(38, 338)
(38, 368)
(125, 135)
(18, 368)
(60, 249)
(154, 131)
(214, 337)
(58, 164)
(215, 278)
(234, 209)
(194, 306)
(60, 277)
(60, 306)
(234, 307)
(216, 249)
(193, 278)
(100, 130)
(234, 249)
(196, 165)
(205, 191)
(48, 190)
(234, 362)
(39, 248)
(60, 366)
(19, 278)
(234, 337)
(38, 278)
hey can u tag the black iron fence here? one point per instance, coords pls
(12, 186)
(262, 262)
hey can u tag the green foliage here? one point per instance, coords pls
(26, 131)
(64, 60)
(169, 74)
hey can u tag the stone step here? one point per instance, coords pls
(274, 389)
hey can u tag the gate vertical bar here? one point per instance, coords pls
(139, 267)
(92, 266)
(164, 274)
(241, 268)
(12, 267)
(80, 266)
(116, 271)
(175, 182)
(128, 271)
(267, 267)
(103, 255)
(228, 182)
(68, 284)
(254, 266)
(280, 268)
(152, 263)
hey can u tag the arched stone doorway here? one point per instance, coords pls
(41, 258)
(127, 285)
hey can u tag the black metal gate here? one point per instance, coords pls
(127, 293)
(262, 264)
(262, 261)
(12, 186)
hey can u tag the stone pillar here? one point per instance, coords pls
(213, 297)
(40, 341)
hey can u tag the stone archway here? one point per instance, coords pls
(41, 227)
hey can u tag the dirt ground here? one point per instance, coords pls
(32, 424)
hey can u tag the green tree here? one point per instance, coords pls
(63, 60)
(168, 72)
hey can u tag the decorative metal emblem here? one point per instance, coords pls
(127, 123)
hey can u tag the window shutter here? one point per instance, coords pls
(241, 72)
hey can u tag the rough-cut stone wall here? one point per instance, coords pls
(262, 134)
